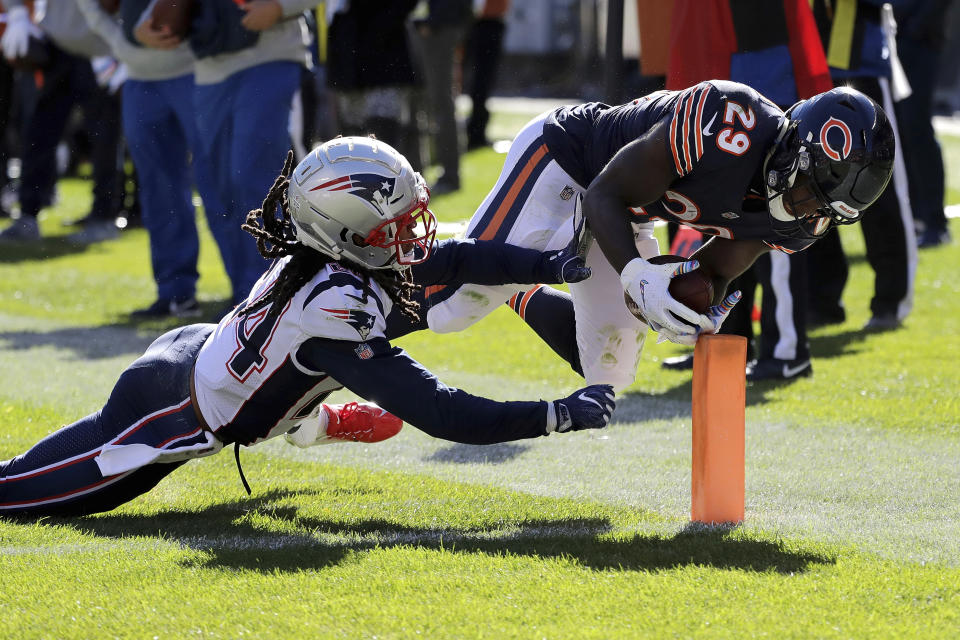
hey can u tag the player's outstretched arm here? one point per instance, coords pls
(389, 377)
(636, 176)
(455, 262)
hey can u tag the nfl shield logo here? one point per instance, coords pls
(363, 351)
(567, 193)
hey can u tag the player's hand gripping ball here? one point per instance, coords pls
(693, 289)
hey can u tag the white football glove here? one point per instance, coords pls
(716, 314)
(719, 312)
(647, 284)
(110, 73)
(16, 38)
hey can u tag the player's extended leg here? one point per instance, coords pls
(531, 205)
(59, 475)
(144, 431)
(549, 312)
(609, 337)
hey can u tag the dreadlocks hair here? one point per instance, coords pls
(276, 238)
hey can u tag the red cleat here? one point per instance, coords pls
(360, 422)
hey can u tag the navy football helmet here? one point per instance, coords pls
(837, 148)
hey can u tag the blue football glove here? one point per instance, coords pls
(566, 266)
(588, 408)
(570, 264)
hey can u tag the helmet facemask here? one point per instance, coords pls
(410, 234)
(790, 189)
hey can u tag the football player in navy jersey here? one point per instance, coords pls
(717, 157)
(353, 244)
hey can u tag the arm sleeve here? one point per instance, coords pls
(478, 262)
(106, 27)
(386, 375)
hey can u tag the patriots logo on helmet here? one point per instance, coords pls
(360, 320)
(372, 187)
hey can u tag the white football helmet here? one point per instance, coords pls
(359, 198)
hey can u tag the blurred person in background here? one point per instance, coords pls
(248, 67)
(439, 28)
(56, 54)
(7, 135)
(160, 128)
(369, 68)
(947, 92)
(859, 55)
(921, 32)
(481, 63)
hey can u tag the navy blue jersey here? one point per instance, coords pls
(454, 262)
(719, 133)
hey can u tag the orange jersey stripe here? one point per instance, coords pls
(673, 139)
(699, 125)
(515, 188)
(686, 132)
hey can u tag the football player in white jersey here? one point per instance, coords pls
(353, 246)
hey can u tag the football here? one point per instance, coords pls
(173, 14)
(694, 289)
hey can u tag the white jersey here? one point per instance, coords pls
(248, 374)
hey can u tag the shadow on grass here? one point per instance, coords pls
(473, 453)
(259, 535)
(845, 343)
(125, 335)
(86, 343)
(43, 249)
(675, 403)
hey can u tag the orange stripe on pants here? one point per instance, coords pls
(515, 188)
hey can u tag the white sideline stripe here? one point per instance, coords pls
(324, 539)
(451, 228)
(952, 211)
(946, 125)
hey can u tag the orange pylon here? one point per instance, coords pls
(718, 411)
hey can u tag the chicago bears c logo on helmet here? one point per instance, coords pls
(845, 145)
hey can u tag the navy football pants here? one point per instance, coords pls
(150, 404)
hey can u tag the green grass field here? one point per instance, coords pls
(852, 514)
